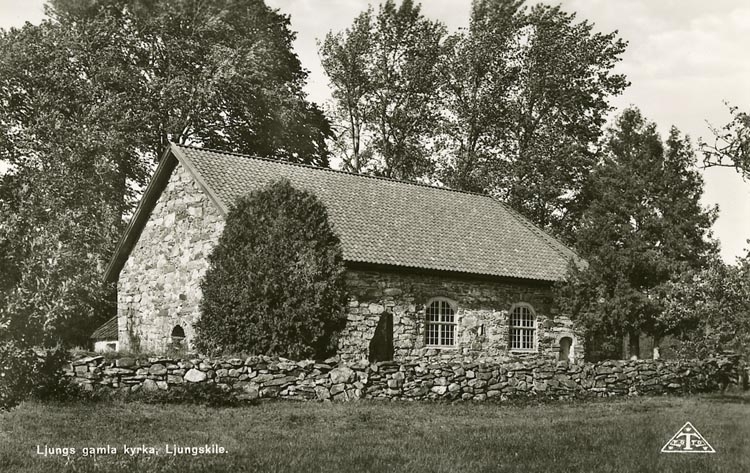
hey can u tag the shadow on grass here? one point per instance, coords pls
(741, 397)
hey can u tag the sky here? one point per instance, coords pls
(685, 58)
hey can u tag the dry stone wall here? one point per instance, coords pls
(265, 377)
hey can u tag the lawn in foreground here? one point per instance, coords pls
(614, 436)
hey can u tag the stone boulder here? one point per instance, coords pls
(341, 375)
(251, 391)
(150, 385)
(322, 393)
(195, 376)
(157, 369)
(125, 362)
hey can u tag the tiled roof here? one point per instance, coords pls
(107, 331)
(384, 221)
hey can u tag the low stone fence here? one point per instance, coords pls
(266, 377)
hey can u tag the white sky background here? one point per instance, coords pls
(684, 59)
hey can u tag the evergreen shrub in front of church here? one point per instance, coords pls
(275, 283)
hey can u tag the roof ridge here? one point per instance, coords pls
(339, 171)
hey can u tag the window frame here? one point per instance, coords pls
(522, 328)
(440, 324)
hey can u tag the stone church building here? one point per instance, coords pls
(432, 273)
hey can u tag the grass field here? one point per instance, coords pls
(612, 436)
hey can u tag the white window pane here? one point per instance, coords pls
(440, 324)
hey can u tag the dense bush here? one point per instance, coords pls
(275, 284)
(50, 382)
(29, 373)
(710, 309)
(17, 364)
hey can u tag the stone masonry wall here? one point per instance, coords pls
(159, 289)
(482, 315)
(159, 286)
(265, 377)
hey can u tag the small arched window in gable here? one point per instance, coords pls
(441, 323)
(522, 328)
(178, 337)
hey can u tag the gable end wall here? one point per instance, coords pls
(159, 285)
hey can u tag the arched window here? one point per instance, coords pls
(178, 337)
(566, 352)
(522, 328)
(441, 323)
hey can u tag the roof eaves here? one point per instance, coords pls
(141, 215)
(399, 266)
(103, 332)
(172, 155)
(188, 163)
(551, 241)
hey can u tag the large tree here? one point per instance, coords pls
(342, 58)
(643, 226)
(526, 96)
(512, 106)
(385, 78)
(220, 73)
(88, 101)
(53, 226)
(73, 151)
(480, 71)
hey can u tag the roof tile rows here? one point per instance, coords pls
(384, 221)
(107, 331)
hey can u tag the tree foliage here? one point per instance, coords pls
(52, 250)
(731, 144)
(709, 309)
(17, 363)
(643, 226)
(526, 97)
(481, 69)
(385, 79)
(275, 284)
(88, 101)
(221, 74)
(27, 372)
(512, 106)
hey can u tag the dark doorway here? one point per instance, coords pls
(178, 338)
(381, 345)
(565, 344)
